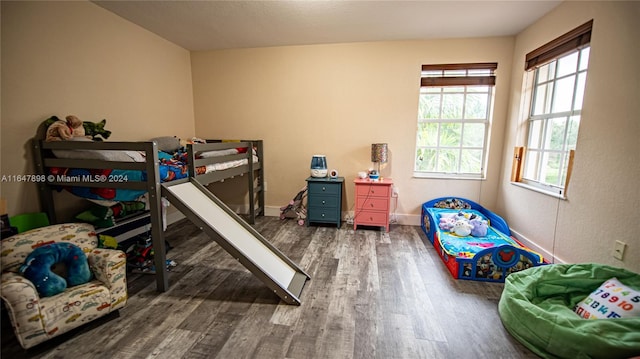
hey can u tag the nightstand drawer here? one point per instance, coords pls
(318, 214)
(373, 204)
(372, 191)
(325, 201)
(371, 218)
(325, 188)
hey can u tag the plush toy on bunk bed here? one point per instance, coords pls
(59, 130)
(96, 130)
(72, 127)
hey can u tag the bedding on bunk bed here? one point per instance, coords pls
(171, 166)
(489, 253)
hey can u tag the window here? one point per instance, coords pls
(554, 117)
(453, 120)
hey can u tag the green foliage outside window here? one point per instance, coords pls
(452, 127)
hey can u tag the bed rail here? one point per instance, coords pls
(253, 170)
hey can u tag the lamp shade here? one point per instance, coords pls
(379, 152)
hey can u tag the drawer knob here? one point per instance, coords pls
(372, 191)
(323, 215)
(323, 202)
(371, 205)
(324, 188)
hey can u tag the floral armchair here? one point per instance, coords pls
(36, 319)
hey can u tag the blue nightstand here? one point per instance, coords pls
(324, 200)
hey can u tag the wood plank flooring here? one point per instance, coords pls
(371, 295)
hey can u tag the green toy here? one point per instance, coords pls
(95, 129)
(105, 241)
(49, 121)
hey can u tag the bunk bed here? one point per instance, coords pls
(488, 254)
(209, 162)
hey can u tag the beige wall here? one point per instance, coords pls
(61, 58)
(603, 196)
(337, 100)
(76, 58)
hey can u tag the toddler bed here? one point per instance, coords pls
(124, 171)
(489, 253)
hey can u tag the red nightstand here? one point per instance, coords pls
(372, 202)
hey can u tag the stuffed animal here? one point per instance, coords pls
(96, 130)
(37, 268)
(446, 223)
(479, 227)
(461, 228)
(59, 130)
(76, 125)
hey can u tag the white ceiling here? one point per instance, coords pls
(212, 25)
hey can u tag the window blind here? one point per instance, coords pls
(572, 40)
(459, 74)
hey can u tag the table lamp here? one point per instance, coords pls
(379, 154)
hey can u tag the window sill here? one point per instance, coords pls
(540, 190)
(447, 176)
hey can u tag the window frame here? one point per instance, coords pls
(575, 41)
(450, 75)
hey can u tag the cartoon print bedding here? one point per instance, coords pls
(467, 246)
(171, 167)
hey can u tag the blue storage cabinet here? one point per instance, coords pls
(324, 200)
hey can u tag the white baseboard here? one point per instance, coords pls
(548, 256)
(272, 211)
(404, 219)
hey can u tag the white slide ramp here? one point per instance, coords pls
(238, 238)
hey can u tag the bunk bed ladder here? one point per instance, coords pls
(256, 190)
(44, 190)
(251, 179)
(260, 189)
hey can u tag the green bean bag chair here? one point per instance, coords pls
(537, 308)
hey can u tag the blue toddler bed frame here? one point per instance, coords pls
(492, 264)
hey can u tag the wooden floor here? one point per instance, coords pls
(371, 295)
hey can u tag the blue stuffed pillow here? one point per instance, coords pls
(38, 268)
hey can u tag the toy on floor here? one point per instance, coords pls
(140, 256)
(544, 308)
(295, 208)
